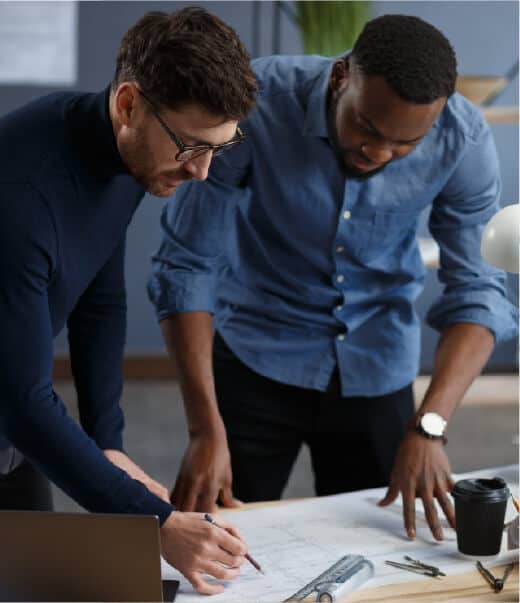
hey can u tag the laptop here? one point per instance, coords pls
(48, 556)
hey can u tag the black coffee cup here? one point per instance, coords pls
(480, 509)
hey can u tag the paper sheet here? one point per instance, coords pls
(297, 541)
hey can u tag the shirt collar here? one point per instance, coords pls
(315, 122)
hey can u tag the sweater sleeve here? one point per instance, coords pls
(32, 416)
(97, 328)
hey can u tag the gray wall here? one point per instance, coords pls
(484, 35)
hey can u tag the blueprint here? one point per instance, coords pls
(297, 541)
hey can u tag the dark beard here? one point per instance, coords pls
(349, 170)
(352, 172)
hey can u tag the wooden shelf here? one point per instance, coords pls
(501, 115)
(479, 89)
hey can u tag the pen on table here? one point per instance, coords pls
(515, 502)
(254, 563)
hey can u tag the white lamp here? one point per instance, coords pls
(501, 239)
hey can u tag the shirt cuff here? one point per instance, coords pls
(486, 308)
(173, 292)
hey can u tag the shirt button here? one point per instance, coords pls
(346, 215)
(340, 249)
(339, 308)
(341, 337)
(340, 278)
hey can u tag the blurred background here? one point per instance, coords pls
(49, 46)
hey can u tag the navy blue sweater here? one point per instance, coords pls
(66, 200)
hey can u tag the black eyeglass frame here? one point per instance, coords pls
(197, 150)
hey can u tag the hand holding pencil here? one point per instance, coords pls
(254, 563)
(199, 552)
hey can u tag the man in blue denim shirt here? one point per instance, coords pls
(302, 246)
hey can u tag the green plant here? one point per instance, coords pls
(330, 27)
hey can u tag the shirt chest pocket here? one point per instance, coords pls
(384, 235)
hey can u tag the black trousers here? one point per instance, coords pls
(25, 489)
(352, 441)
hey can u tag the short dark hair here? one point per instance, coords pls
(188, 56)
(415, 59)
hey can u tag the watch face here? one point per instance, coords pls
(433, 424)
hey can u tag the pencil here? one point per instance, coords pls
(515, 502)
(254, 563)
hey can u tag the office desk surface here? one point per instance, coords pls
(469, 587)
(462, 587)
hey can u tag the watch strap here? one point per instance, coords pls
(425, 434)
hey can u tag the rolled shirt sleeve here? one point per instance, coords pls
(195, 223)
(474, 291)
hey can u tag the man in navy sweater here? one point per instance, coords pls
(74, 168)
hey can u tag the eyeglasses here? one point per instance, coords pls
(186, 153)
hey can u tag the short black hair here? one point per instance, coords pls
(188, 56)
(416, 60)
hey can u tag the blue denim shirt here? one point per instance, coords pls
(305, 268)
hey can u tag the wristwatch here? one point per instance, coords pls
(431, 425)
